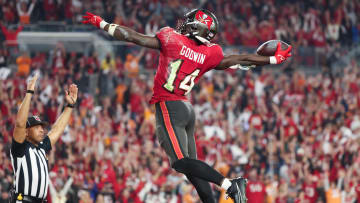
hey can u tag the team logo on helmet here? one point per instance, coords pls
(37, 118)
(204, 18)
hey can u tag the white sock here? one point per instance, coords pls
(225, 184)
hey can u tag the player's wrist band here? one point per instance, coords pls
(30, 91)
(103, 24)
(112, 28)
(70, 105)
(273, 60)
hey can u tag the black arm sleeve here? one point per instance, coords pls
(46, 144)
(18, 149)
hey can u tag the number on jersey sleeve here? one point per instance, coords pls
(186, 84)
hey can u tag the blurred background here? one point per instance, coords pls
(293, 130)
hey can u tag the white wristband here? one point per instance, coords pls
(112, 28)
(273, 60)
(102, 24)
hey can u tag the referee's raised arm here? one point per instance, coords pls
(19, 133)
(59, 126)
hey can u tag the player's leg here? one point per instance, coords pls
(170, 130)
(202, 187)
(171, 119)
(180, 115)
(175, 145)
(235, 188)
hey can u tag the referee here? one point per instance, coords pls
(30, 146)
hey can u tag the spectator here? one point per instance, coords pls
(131, 64)
(24, 12)
(24, 63)
(256, 189)
(50, 7)
(85, 197)
(11, 35)
(57, 195)
(8, 11)
(107, 64)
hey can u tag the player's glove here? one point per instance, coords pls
(280, 55)
(94, 20)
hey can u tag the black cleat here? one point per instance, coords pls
(237, 190)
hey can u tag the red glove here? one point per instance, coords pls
(92, 19)
(280, 55)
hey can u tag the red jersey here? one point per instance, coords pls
(181, 64)
(357, 190)
(255, 191)
(310, 192)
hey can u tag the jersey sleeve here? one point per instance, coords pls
(217, 56)
(46, 144)
(163, 35)
(18, 149)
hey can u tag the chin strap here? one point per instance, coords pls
(202, 40)
(238, 66)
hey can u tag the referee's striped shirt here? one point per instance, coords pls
(30, 167)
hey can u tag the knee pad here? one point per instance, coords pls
(181, 165)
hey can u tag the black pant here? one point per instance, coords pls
(175, 125)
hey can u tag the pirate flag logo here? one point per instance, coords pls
(204, 18)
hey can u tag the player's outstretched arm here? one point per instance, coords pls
(122, 33)
(254, 59)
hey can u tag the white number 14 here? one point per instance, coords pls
(184, 85)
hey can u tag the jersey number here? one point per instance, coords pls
(186, 84)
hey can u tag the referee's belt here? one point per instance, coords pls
(22, 197)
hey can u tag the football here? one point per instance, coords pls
(268, 48)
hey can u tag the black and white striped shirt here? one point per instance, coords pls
(30, 166)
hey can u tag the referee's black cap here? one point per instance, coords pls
(34, 121)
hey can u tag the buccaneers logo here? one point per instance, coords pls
(37, 118)
(204, 18)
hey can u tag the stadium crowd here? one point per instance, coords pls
(295, 136)
(301, 22)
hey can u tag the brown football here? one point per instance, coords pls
(268, 48)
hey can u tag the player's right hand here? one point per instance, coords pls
(92, 19)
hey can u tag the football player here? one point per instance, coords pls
(186, 54)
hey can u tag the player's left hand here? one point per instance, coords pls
(92, 19)
(71, 94)
(282, 55)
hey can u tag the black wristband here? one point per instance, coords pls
(30, 91)
(70, 105)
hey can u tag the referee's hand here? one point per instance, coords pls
(32, 82)
(71, 94)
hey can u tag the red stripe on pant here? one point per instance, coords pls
(170, 131)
